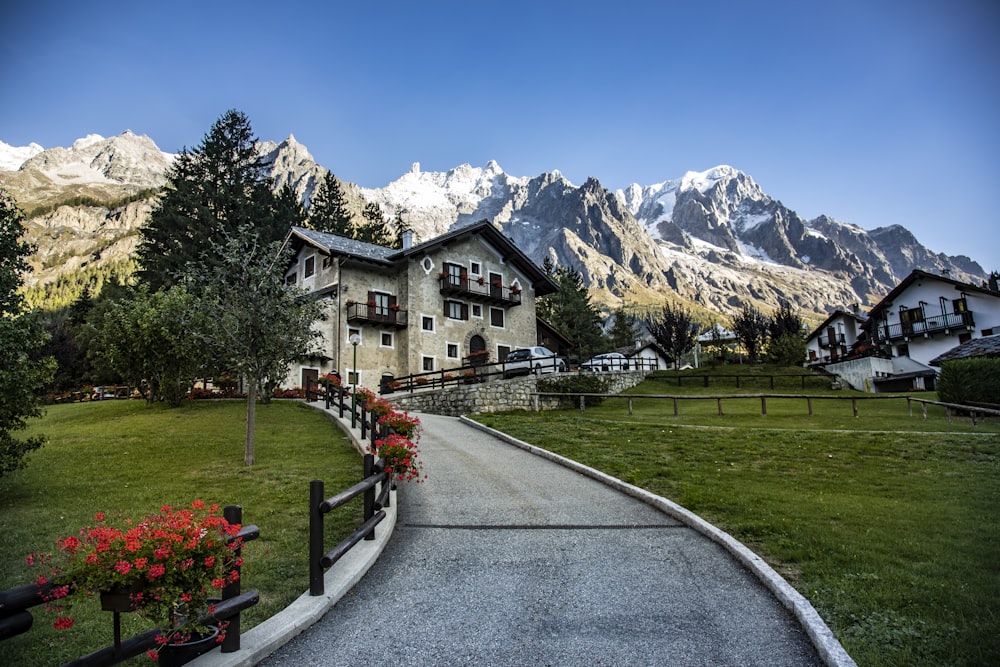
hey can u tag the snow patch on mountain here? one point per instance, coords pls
(12, 157)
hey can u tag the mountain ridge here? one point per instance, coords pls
(713, 238)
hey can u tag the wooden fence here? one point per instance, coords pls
(951, 409)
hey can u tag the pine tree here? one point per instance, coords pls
(572, 313)
(212, 190)
(374, 229)
(23, 372)
(329, 211)
(624, 329)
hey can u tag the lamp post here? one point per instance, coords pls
(354, 339)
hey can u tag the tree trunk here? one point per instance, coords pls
(248, 457)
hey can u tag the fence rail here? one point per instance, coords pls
(374, 474)
(973, 411)
(15, 618)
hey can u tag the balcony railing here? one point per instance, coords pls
(483, 290)
(363, 313)
(828, 341)
(945, 323)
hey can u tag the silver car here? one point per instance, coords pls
(612, 361)
(535, 360)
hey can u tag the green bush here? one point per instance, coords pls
(579, 383)
(970, 381)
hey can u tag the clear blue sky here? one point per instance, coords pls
(875, 112)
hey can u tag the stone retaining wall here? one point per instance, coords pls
(496, 395)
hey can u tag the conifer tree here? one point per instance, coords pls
(329, 211)
(212, 190)
(572, 313)
(374, 229)
(23, 373)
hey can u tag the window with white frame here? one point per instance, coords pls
(427, 363)
(452, 350)
(475, 269)
(497, 317)
(386, 339)
(477, 310)
(456, 310)
(427, 323)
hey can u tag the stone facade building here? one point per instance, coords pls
(466, 295)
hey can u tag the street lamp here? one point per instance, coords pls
(354, 340)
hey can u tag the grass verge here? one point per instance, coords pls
(130, 457)
(892, 535)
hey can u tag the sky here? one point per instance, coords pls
(875, 112)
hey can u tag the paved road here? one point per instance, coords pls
(504, 558)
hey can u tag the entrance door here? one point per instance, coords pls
(477, 345)
(310, 378)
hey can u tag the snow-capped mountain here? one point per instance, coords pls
(712, 238)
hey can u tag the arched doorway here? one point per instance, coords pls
(477, 350)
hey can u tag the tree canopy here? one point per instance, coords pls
(212, 191)
(23, 372)
(570, 311)
(674, 329)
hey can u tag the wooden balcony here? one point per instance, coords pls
(364, 313)
(481, 291)
(946, 323)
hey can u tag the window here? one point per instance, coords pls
(477, 310)
(353, 377)
(502, 352)
(453, 350)
(379, 302)
(964, 337)
(496, 317)
(427, 363)
(902, 350)
(475, 268)
(386, 339)
(427, 264)
(427, 323)
(327, 261)
(456, 310)
(457, 275)
(987, 332)
(352, 331)
(959, 305)
(290, 279)
(310, 267)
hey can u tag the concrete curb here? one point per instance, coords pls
(829, 649)
(262, 640)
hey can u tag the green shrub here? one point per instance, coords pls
(970, 381)
(579, 383)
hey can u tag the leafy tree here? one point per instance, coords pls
(674, 329)
(374, 228)
(152, 337)
(218, 187)
(624, 328)
(788, 345)
(750, 327)
(260, 324)
(572, 313)
(329, 211)
(23, 373)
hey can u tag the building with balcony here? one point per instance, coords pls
(926, 315)
(832, 340)
(466, 294)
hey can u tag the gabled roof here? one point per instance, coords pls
(987, 346)
(916, 275)
(833, 316)
(717, 332)
(340, 245)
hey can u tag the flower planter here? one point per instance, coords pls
(120, 599)
(174, 655)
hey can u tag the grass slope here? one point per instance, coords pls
(130, 457)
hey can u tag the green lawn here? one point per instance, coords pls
(132, 457)
(888, 524)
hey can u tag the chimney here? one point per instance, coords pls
(407, 235)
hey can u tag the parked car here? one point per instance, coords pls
(612, 361)
(535, 360)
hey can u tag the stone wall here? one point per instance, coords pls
(495, 396)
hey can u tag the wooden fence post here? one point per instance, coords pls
(316, 585)
(809, 404)
(763, 405)
(854, 406)
(719, 401)
(368, 469)
(234, 515)
(675, 406)
(629, 406)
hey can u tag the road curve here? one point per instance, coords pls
(504, 558)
